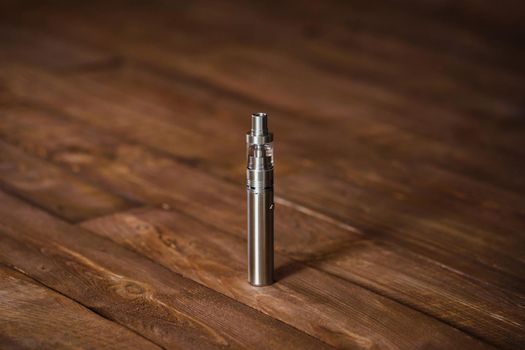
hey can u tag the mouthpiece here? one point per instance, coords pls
(259, 124)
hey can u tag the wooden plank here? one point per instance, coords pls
(427, 189)
(495, 255)
(249, 57)
(53, 189)
(177, 132)
(389, 158)
(469, 226)
(301, 236)
(197, 250)
(96, 155)
(182, 144)
(191, 149)
(499, 141)
(465, 154)
(301, 23)
(129, 289)
(136, 172)
(472, 306)
(62, 323)
(348, 138)
(418, 221)
(36, 48)
(353, 162)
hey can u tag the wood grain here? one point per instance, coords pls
(351, 156)
(392, 152)
(400, 196)
(436, 229)
(104, 159)
(315, 302)
(62, 323)
(434, 240)
(282, 70)
(54, 189)
(128, 289)
(318, 197)
(353, 142)
(183, 245)
(148, 176)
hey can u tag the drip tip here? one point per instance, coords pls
(259, 134)
(259, 124)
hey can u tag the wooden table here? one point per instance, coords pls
(400, 187)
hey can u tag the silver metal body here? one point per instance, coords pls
(260, 204)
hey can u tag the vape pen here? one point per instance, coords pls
(259, 187)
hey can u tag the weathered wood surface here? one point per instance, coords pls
(131, 290)
(305, 289)
(35, 317)
(400, 188)
(47, 186)
(171, 238)
(148, 177)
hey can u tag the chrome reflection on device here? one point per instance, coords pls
(260, 206)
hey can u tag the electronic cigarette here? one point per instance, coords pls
(260, 206)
